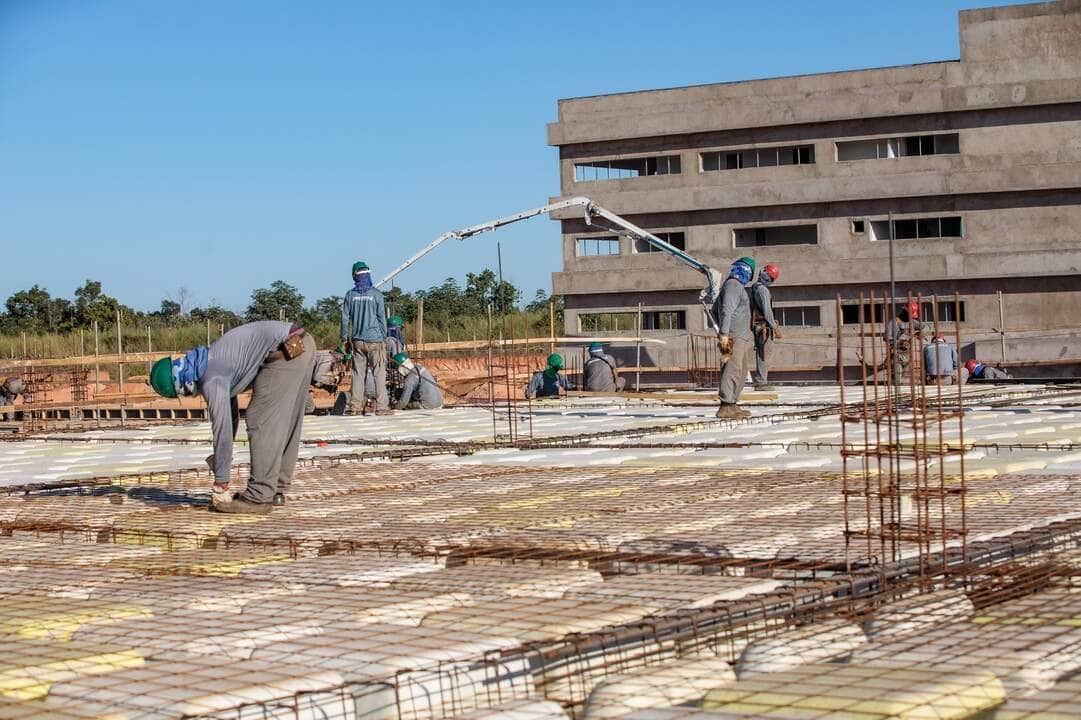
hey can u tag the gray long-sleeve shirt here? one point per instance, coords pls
(543, 385)
(939, 359)
(598, 374)
(233, 361)
(366, 313)
(762, 303)
(733, 310)
(419, 385)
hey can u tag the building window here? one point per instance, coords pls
(676, 239)
(664, 320)
(850, 314)
(627, 321)
(798, 316)
(779, 235)
(758, 157)
(630, 168)
(858, 227)
(591, 247)
(909, 146)
(918, 228)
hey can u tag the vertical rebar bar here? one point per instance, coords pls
(844, 434)
(961, 430)
(865, 466)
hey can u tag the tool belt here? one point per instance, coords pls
(291, 347)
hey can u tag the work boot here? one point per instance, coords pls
(241, 506)
(279, 499)
(385, 411)
(367, 408)
(764, 387)
(731, 411)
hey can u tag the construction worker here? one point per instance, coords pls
(549, 381)
(940, 362)
(395, 335)
(419, 388)
(599, 374)
(981, 371)
(327, 375)
(764, 324)
(732, 312)
(364, 329)
(10, 389)
(901, 334)
(273, 359)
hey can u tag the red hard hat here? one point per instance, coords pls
(772, 270)
(971, 366)
(914, 310)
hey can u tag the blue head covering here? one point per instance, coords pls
(188, 370)
(362, 280)
(741, 271)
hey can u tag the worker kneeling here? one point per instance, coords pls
(419, 388)
(599, 374)
(981, 371)
(276, 361)
(549, 381)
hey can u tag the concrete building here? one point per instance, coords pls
(978, 160)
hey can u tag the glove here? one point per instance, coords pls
(777, 334)
(724, 344)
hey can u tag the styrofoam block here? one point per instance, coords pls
(808, 644)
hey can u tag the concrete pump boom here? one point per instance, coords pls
(590, 211)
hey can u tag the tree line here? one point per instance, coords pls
(36, 310)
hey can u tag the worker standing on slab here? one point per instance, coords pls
(764, 324)
(419, 388)
(275, 360)
(732, 313)
(364, 328)
(981, 371)
(903, 337)
(599, 374)
(940, 362)
(10, 389)
(549, 381)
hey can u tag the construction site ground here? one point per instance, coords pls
(590, 557)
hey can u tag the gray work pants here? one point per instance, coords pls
(763, 348)
(369, 356)
(734, 372)
(274, 419)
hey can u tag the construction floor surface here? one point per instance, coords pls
(623, 558)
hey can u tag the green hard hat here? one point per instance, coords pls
(749, 261)
(400, 359)
(395, 321)
(596, 346)
(555, 360)
(359, 265)
(161, 378)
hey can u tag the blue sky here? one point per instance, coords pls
(221, 146)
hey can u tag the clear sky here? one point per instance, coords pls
(221, 146)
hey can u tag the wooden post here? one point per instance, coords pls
(24, 345)
(221, 329)
(552, 326)
(82, 348)
(420, 323)
(120, 366)
(638, 352)
(97, 374)
(149, 349)
(1001, 327)
(208, 331)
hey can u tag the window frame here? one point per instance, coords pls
(898, 146)
(672, 165)
(737, 158)
(610, 240)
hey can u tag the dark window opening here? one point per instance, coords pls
(947, 312)
(909, 146)
(918, 228)
(758, 157)
(798, 316)
(628, 168)
(591, 247)
(858, 227)
(779, 235)
(676, 239)
(627, 321)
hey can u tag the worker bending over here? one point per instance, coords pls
(980, 371)
(599, 374)
(940, 361)
(732, 312)
(274, 360)
(327, 374)
(10, 389)
(764, 325)
(364, 328)
(419, 388)
(549, 381)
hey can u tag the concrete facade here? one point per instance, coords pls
(1006, 121)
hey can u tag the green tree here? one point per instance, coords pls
(271, 303)
(28, 310)
(92, 304)
(216, 315)
(401, 303)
